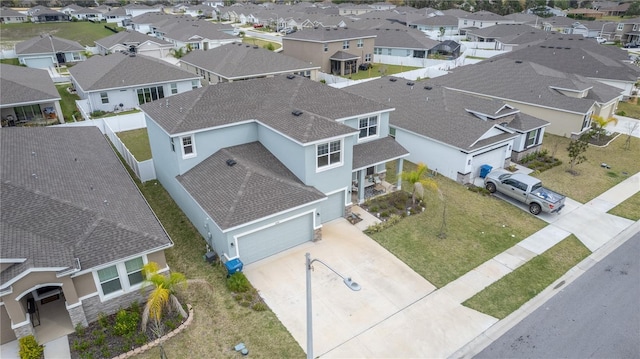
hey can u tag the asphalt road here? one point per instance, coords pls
(596, 316)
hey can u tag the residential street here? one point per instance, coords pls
(596, 316)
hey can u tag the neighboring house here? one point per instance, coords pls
(546, 10)
(434, 25)
(382, 6)
(453, 133)
(201, 11)
(337, 51)
(46, 51)
(526, 19)
(479, 20)
(354, 9)
(118, 16)
(81, 13)
(10, 16)
(236, 62)
(615, 10)
(502, 33)
(608, 30)
(44, 14)
(75, 229)
(520, 40)
(29, 97)
(134, 10)
(258, 166)
(566, 101)
(586, 13)
(585, 57)
(195, 34)
(402, 43)
(122, 81)
(563, 25)
(628, 31)
(134, 42)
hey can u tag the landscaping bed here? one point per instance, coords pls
(396, 203)
(539, 161)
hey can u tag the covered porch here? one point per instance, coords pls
(368, 178)
(41, 114)
(344, 63)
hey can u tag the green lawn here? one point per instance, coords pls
(260, 42)
(137, 141)
(68, 102)
(630, 109)
(516, 288)
(629, 209)
(83, 32)
(380, 70)
(592, 179)
(10, 61)
(477, 229)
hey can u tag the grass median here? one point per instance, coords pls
(516, 288)
(629, 209)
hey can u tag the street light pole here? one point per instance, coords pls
(347, 281)
(602, 30)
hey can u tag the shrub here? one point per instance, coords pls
(103, 320)
(30, 349)
(80, 329)
(259, 307)
(269, 47)
(126, 322)
(98, 337)
(238, 283)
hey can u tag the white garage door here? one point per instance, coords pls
(39, 62)
(493, 158)
(333, 207)
(275, 239)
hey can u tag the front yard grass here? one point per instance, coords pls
(67, 102)
(262, 43)
(516, 288)
(593, 179)
(477, 229)
(83, 32)
(219, 321)
(629, 209)
(137, 141)
(630, 109)
(378, 70)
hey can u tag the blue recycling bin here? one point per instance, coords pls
(233, 265)
(484, 170)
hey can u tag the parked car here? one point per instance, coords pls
(257, 26)
(365, 66)
(631, 45)
(289, 31)
(525, 189)
(601, 40)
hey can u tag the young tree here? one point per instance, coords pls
(599, 123)
(417, 181)
(577, 149)
(162, 296)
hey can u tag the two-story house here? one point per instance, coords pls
(335, 50)
(259, 165)
(628, 31)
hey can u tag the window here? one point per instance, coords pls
(360, 43)
(134, 271)
(149, 94)
(329, 154)
(76, 56)
(464, 22)
(392, 132)
(532, 138)
(188, 147)
(367, 57)
(377, 51)
(620, 27)
(194, 84)
(109, 280)
(325, 47)
(368, 127)
(173, 145)
(586, 121)
(408, 53)
(174, 89)
(388, 51)
(27, 113)
(345, 44)
(104, 97)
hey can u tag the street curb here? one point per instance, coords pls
(501, 327)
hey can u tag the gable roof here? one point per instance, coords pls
(438, 20)
(506, 30)
(258, 185)
(436, 112)
(9, 12)
(59, 205)
(406, 38)
(188, 28)
(330, 34)
(267, 100)
(236, 61)
(129, 37)
(536, 84)
(20, 85)
(121, 70)
(43, 45)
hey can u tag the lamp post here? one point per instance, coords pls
(347, 281)
(277, 21)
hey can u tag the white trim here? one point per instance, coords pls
(344, 190)
(12, 260)
(80, 299)
(193, 146)
(79, 304)
(378, 163)
(21, 324)
(27, 272)
(272, 215)
(36, 287)
(329, 165)
(125, 287)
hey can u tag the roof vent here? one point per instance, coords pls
(291, 76)
(581, 39)
(296, 112)
(231, 162)
(428, 87)
(567, 48)
(518, 61)
(393, 79)
(410, 83)
(542, 46)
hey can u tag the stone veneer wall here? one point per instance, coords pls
(517, 156)
(347, 211)
(24, 330)
(463, 178)
(317, 234)
(77, 316)
(93, 306)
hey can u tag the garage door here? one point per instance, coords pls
(493, 158)
(333, 207)
(39, 62)
(275, 239)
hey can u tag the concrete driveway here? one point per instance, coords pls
(396, 314)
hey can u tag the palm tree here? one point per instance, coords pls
(162, 296)
(415, 178)
(599, 123)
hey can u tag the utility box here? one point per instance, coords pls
(211, 257)
(484, 170)
(233, 265)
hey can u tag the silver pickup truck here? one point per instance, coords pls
(525, 189)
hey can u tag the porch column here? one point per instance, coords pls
(19, 322)
(361, 186)
(399, 162)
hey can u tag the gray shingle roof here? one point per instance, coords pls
(186, 28)
(438, 113)
(330, 35)
(235, 61)
(579, 55)
(525, 81)
(120, 70)
(60, 204)
(42, 45)
(128, 37)
(506, 30)
(258, 185)
(268, 100)
(406, 38)
(22, 85)
(6, 12)
(443, 20)
(342, 55)
(378, 151)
